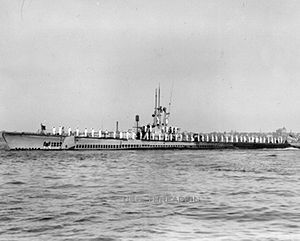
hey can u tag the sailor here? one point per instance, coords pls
(43, 128)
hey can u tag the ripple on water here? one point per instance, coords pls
(81, 195)
(15, 183)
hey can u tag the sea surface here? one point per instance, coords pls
(150, 195)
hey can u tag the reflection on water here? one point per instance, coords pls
(150, 195)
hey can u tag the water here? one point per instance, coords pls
(150, 195)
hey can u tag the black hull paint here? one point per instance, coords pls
(260, 145)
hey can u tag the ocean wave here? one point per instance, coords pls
(76, 195)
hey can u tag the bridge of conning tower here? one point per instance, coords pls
(159, 129)
(160, 115)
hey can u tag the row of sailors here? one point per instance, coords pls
(175, 137)
(93, 133)
(61, 130)
(106, 134)
(214, 138)
(241, 138)
(164, 129)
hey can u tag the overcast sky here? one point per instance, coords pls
(234, 65)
